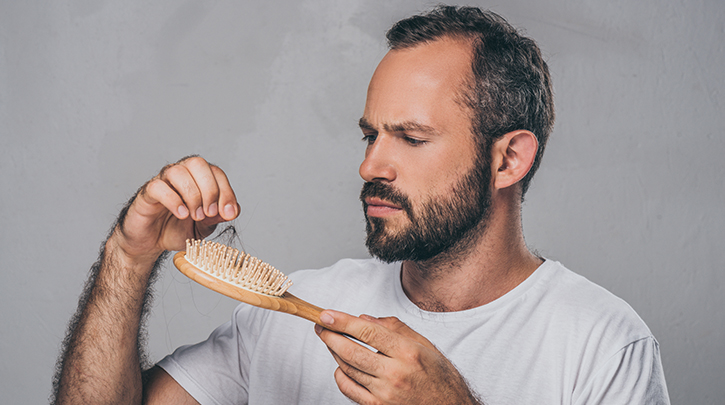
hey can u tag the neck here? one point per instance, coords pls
(493, 263)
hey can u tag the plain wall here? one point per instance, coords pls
(96, 96)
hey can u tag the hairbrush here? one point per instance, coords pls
(243, 277)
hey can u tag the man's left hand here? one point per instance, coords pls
(406, 369)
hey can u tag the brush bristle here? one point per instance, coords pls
(235, 267)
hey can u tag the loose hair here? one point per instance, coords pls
(510, 87)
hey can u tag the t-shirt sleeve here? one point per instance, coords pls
(633, 375)
(216, 371)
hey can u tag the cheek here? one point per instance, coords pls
(444, 171)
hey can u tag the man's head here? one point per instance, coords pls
(510, 86)
(430, 126)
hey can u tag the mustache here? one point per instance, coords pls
(385, 192)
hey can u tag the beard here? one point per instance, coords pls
(443, 224)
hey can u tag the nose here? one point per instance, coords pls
(379, 164)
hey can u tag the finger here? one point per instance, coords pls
(351, 389)
(158, 191)
(201, 172)
(366, 331)
(360, 377)
(397, 326)
(180, 179)
(351, 352)
(228, 206)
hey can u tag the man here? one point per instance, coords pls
(456, 311)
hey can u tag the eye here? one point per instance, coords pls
(369, 138)
(414, 141)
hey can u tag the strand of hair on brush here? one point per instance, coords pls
(235, 267)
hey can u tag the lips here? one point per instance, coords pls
(382, 200)
(376, 207)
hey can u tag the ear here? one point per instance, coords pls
(512, 157)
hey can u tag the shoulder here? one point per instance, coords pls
(603, 339)
(601, 328)
(590, 306)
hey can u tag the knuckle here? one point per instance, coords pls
(351, 354)
(396, 324)
(153, 187)
(367, 334)
(195, 161)
(191, 194)
(172, 170)
(399, 379)
(358, 359)
(163, 171)
(413, 357)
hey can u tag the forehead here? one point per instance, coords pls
(421, 84)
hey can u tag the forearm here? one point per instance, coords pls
(101, 362)
(101, 359)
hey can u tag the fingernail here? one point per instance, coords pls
(199, 213)
(318, 329)
(326, 318)
(213, 209)
(228, 211)
(182, 211)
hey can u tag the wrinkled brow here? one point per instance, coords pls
(405, 126)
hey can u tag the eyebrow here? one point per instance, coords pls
(404, 126)
(364, 124)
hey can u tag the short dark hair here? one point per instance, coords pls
(510, 88)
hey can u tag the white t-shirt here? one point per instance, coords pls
(556, 338)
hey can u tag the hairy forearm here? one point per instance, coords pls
(102, 358)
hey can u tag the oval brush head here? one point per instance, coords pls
(240, 276)
(238, 268)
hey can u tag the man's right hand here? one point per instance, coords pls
(101, 362)
(185, 200)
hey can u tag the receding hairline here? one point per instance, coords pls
(458, 36)
(464, 94)
(466, 88)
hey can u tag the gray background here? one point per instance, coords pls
(96, 96)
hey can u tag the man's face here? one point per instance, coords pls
(427, 187)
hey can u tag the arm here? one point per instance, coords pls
(407, 369)
(101, 359)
